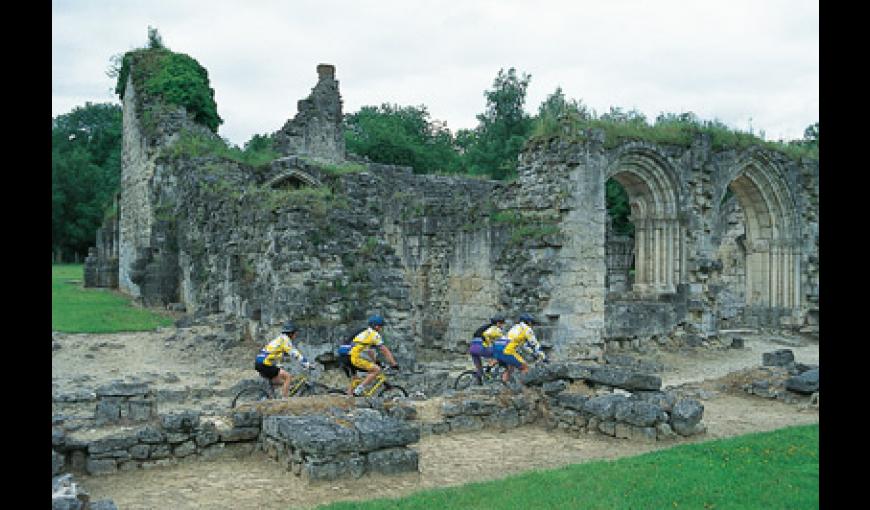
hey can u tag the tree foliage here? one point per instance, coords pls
(493, 146)
(85, 174)
(402, 135)
(175, 78)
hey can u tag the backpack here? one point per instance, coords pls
(345, 346)
(478, 333)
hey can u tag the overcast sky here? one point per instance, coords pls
(732, 61)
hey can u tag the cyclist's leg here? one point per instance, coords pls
(477, 350)
(512, 361)
(283, 379)
(367, 366)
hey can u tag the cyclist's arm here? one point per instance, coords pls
(535, 347)
(298, 356)
(389, 355)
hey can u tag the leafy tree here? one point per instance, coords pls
(618, 207)
(175, 78)
(557, 114)
(402, 135)
(502, 129)
(85, 174)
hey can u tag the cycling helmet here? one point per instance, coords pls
(497, 318)
(527, 318)
(376, 320)
(288, 327)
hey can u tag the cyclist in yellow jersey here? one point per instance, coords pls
(520, 334)
(481, 344)
(364, 344)
(274, 351)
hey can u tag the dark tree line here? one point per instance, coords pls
(85, 174)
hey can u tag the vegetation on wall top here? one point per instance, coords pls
(175, 78)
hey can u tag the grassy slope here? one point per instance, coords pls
(778, 469)
(75, 309)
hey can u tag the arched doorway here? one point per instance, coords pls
(649, 180)
(772, 253)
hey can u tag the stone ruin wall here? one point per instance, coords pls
(428, 254)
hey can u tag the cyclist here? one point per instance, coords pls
(481, 344)
(364, 344)
(520, 334)
(274, 351)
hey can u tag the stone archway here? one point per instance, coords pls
(650, 181)
(772, 232)
(293, 178)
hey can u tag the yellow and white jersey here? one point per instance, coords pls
(276, 349)
(364, 340)
(491, 334)
(521, 333)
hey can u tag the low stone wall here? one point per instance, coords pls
(625, 404)
(781, 377)
(339, 444)
(173, 436)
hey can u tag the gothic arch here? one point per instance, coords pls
(293, 178)
(650, 180)
(772, 231)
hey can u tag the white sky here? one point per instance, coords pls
(732, 61)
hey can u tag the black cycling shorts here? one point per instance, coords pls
(266, 371)
(346, 365)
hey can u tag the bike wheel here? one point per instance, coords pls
(464, 380)
(392, 391)
(249, 395)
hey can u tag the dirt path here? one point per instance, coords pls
(254, 482)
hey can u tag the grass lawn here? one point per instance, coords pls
(770, 470)
(75, 309)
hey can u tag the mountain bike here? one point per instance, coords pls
(262, 389)
(491, 373)
(382, 387)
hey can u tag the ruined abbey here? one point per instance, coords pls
(326, 238)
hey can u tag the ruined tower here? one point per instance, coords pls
(316, 130)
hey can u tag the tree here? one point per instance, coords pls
(502, 129)
(402, 135)
(85, 174)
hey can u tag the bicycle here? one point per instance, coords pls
(382, 387)
(491, 373)
(263, 389)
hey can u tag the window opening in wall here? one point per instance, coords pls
(620, 238)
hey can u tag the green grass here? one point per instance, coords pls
(75, 309)
(770, 470)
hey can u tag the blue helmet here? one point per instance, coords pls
(376, 320)
(527, 318)
(288, 327)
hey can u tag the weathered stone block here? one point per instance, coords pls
(113, 442)
(806, 383)
(330, 468)
(686, 414)
(392, 461)
(778, 358)
(141, 409)
(603, 406)
(377, 431)
(101, 466)
(240, 434)
(150, 434)
(184, 421)
(140, 451)
(314, 435)
(184, 449)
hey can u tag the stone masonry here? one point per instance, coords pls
(325, 238)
